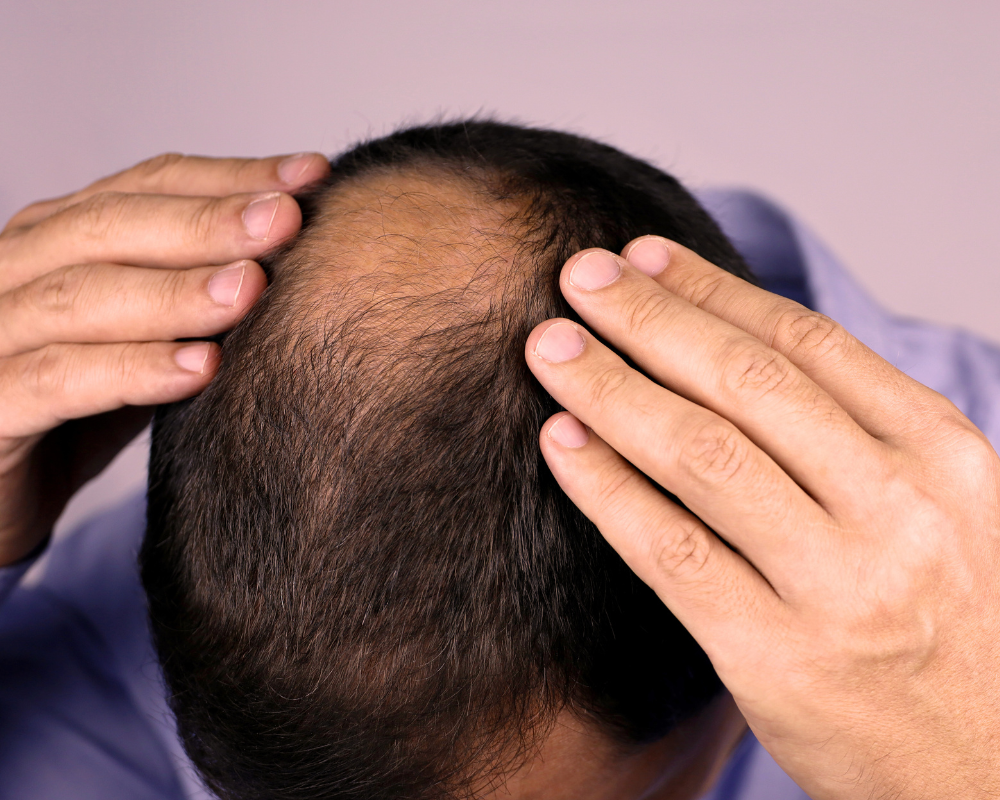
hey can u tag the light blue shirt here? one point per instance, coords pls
(82, 708)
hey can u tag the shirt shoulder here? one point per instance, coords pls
(751, 774)
(83, 711)
(78, 685)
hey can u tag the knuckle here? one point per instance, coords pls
(123, 367)
(99, 215)
(168, 291)
(60, 291)
(614, 485)
(48, 371)
(683, 551)
(154, 171)
(205, 220)
(701, 288)
(981, 459)
(807, 335)
(975, 461)
(245, 171)
(644, 311)
(714, 453)
(607, 385)
(945, 432)
(935, 422)
(58, 369)
(760, 371)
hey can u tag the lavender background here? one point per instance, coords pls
(876, 122)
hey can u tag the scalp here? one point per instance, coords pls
(363, 580)
(417, 233)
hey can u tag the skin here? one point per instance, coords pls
(94, 289)
(855, 620)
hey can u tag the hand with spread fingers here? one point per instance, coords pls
(855, 613)
(95, 289)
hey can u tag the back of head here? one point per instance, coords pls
(363, 582)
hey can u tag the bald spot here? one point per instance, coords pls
(418, 250)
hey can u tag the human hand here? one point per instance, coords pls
(94, 289)
(855, 619)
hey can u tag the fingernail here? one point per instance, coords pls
(294, 167)
(193, 357)
(224, 286)
(595, 271)
(259, 215)
(560, 342)
(569, 432)
(649, 255)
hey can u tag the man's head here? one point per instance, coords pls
(363, 581)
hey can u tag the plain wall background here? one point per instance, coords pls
(876, 122)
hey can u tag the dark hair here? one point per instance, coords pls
(363, 581)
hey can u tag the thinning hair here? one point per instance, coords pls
(363, 581)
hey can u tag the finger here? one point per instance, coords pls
(172, 173)
(698, 456)
(150, 231)
(108, 303)
(714, 592)
(47, 387)
(725, 369)
(864, 384)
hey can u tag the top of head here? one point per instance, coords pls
(362, 579)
